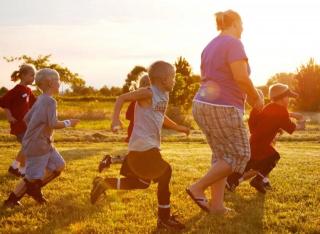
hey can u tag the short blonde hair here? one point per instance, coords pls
(160, 70)
(224, 19)
(44, 75)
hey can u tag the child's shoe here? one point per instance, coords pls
(105, 163)
(34, 190)
(99, 186)
(267, 185)
(12, 201)
(14, 171)
(258, 184)
(170, 223)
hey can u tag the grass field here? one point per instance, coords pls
(291, 207)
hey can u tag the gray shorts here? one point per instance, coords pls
(36, 166)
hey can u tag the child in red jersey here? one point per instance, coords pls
(16, 103)
(264, 126)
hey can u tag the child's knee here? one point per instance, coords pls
(60, 168)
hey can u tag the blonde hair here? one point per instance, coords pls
(23, 69)
(43, 75)
(142, 81)
(160, 70)
(226, 18)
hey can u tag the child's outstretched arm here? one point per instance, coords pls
(168, 123)
(138, 95)
(296, 116)
(65, 123)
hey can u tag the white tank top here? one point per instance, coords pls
(148, 122)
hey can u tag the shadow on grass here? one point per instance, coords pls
(59, 214)
(246, 218)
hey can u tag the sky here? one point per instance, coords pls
(103, 40)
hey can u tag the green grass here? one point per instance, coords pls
(291, 207)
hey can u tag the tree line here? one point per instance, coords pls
(305, 81)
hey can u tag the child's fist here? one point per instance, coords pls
(74, 122)
(185, 130)
(116, 125)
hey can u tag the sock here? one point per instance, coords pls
(15, 164)
(22, 170)
(265, 180)
(163, 211)
(116, 159)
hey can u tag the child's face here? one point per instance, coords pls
(170, 82)
(28, 77)
(54, 84)
(285, 101)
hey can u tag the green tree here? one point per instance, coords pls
(133, 76)
(308, 86)
(186, 85)
(284, 78)
(43, 61)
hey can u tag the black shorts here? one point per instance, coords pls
(147, 165)
(259, 165)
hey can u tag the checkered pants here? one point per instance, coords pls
(225, 133)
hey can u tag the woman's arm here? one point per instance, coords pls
(241, 76)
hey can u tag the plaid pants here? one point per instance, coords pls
(225, 133)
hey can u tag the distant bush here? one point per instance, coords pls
(85, 98)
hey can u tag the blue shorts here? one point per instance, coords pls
(36, 166)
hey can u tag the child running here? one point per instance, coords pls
(118, 159)
(43, 161)
(107, 160)
(144, 162)
(16, 103)
(264, 126)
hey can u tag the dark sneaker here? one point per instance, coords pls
(11, 204)
(99, 186)
(170, 223)
(267, 186)
(105, 163)
(258, 184)
(34, 190)
(231, 186)
(12, 201)
(14, 172)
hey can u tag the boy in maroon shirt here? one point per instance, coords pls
(16, 103)
(264, 126)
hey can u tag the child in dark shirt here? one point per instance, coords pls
(16, 103)
(264, 126)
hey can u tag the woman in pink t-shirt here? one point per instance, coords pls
(218, 109)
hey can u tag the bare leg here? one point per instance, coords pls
(249, 174)
(218, 171)
(21, 158)
(217, 195)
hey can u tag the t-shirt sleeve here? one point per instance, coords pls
(236, 51)
(253, 119)
(52, 113)
(286, 123)
(7, 99)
